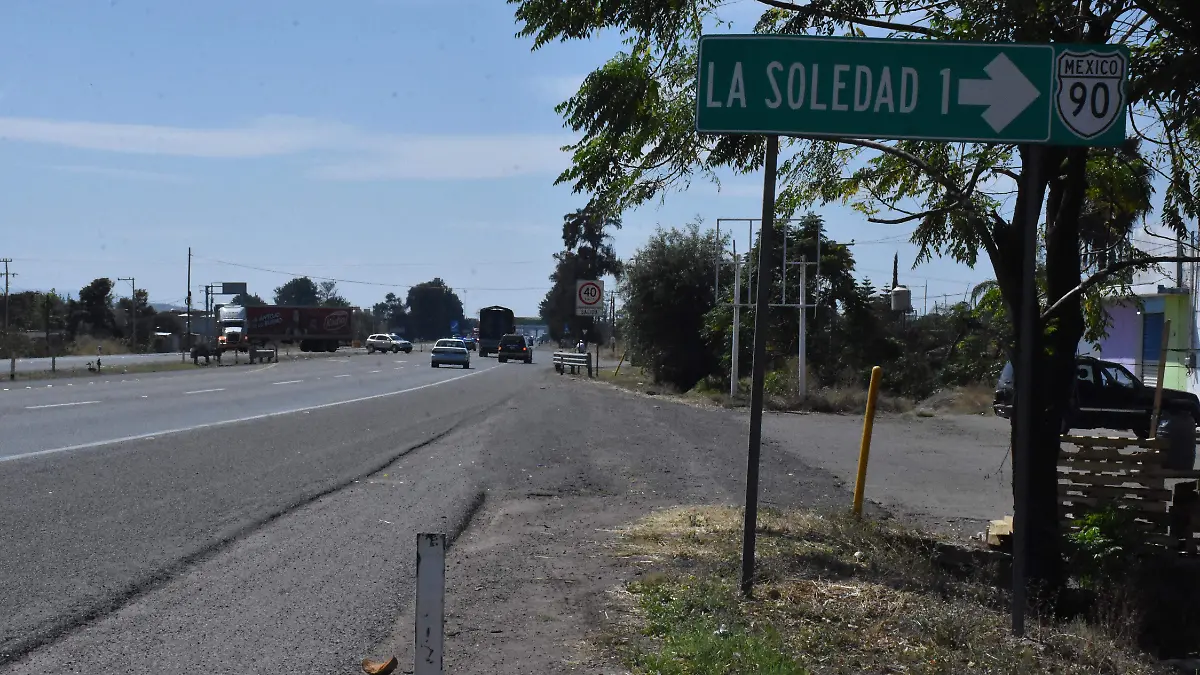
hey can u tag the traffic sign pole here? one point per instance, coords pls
(1023, 403)
(762, 301)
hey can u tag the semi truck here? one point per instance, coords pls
(258, 330)
(494, 323)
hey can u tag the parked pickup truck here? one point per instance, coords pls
(1106, 396)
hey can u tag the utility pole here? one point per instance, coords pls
(12, 356)
(47, 306)
(132, 312)
(737, 322)
(188, 342)
(802, 378)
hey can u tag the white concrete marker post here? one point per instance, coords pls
(431, 603)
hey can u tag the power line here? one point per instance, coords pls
(355, 281)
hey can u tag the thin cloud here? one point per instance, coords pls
(557, 88)
(267, 137)
(124, 174)
(345, 153)
(454, 157)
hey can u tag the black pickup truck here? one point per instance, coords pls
(1106, 396)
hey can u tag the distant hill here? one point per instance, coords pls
(166, 307)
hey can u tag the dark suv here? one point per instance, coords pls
(513, 346)
(1106, 396)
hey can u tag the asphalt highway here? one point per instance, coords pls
(111, 486)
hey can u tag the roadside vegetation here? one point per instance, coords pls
(840, 595)
(636, 143)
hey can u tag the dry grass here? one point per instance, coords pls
(848, 400)
(838, 400)
(834, 595)
(86, 346)
(970, 400)
(107, 371)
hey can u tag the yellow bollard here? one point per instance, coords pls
(864, 451)
(621, 362)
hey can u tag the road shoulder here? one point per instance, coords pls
(529, 581)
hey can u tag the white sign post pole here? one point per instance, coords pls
(431, 603)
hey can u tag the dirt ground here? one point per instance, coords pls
(564, 468)
(952, 473)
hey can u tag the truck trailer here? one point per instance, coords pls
(314, 329)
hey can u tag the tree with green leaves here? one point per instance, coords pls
(667, 296)
(300, 291)
(588, 254)
(635, 118)
(390, 313)
(832, 288)
(248, 300)
(328, 295)
(92, 314)
(432, 308)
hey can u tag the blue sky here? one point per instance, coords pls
(380, 141)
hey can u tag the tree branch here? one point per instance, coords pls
(846, 18)
(938, 177)
(1161, 18)
(1108, 272)
(912, 216)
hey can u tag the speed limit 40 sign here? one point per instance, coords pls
(589, 298)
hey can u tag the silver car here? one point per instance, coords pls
(383, 342)
(450, 352)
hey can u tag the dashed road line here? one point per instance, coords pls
(238, 420)
(376, 371)
(343, 375)
(288, 382)
(202, 391)
(58, 405)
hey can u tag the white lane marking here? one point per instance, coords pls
(202, 391)
(343, 375)
(288, 382)
(397, 368)
(259, 370)
(238, 420)
(58, 405)
(375, 371)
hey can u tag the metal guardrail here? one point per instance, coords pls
(574, 361)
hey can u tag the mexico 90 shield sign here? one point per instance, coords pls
(589, 296)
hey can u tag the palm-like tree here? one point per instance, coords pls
(1118, 195)
(588, 232)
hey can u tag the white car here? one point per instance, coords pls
(450, 352)
(382, 342)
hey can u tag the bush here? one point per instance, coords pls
(667, 294)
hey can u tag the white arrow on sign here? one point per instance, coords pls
(1006, 93)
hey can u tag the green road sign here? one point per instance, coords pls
(1061, 94)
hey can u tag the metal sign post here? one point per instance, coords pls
(761, 303)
